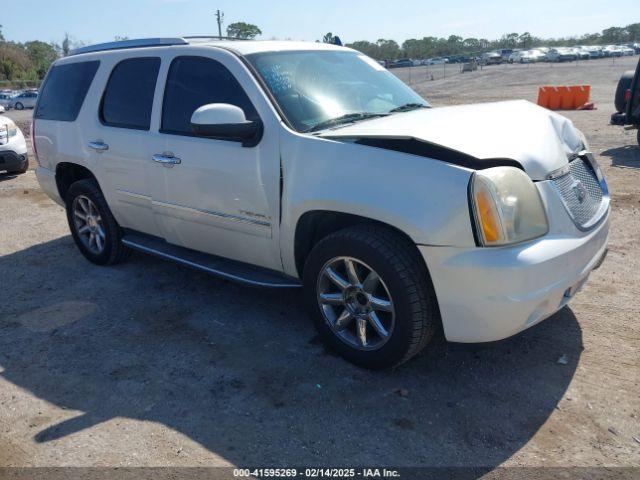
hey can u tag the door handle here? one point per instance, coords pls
(99, 145)
(167, 159)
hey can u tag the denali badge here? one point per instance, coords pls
(580, 191)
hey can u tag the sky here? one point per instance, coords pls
(94, 21)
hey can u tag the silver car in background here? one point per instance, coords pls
(26, 99)
(5, 99)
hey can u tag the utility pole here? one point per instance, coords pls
(220, 18)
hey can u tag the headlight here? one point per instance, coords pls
(12, 129)
(8, 130)
(507, 207)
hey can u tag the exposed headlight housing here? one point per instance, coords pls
(507, 207)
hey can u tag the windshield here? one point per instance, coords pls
(313, 88)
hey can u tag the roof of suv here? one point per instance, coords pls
(242, 47)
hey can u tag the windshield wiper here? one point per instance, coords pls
(407, 107)
(347, 118)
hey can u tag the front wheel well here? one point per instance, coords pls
(68, 173)
(315, 225)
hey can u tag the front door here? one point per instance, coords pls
(214, 196)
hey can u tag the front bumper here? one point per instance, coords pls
(487, 294)
(10, 160)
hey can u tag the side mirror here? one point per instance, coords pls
(226, 122)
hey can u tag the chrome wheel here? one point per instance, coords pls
(355, 303)
(88, 223)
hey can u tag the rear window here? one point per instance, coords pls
(128, 98)
(64, 91)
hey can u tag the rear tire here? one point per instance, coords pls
(624, 84)
(410, 315)
(84, 199)
(19, 106)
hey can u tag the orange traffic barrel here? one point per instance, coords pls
(581, 95)
(566, 98)
(563, 97)
(543, 96)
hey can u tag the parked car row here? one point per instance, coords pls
(539, 54)
(567, 54)
(18, 99)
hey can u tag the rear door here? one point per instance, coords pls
(118, 139)
(58, 118)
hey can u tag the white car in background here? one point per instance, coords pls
(627, 51)
(581, 53)
(594, 51)
(521, 56)
(562, 54)
(13, 147)
(394, 218)
(538, 55)
(612, 51)
(527, 56)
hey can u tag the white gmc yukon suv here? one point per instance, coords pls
(285, 164)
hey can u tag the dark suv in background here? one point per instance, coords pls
(627, 100)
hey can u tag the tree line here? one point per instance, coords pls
(428, 47)
(25, 64)
(28, 62)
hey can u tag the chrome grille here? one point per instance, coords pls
(580, 191)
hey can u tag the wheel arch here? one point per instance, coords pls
(67, 173)
(314, 225)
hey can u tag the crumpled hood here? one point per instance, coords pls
(538, 139)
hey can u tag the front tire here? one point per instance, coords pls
(19, 106)
(370, 296)
(93, 227)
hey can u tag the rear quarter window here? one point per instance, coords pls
(64, 90)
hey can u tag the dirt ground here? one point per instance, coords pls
(152, 364)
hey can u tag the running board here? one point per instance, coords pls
(218, 266)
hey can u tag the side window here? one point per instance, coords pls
(63, 92)
(128, 98)
(196, 81)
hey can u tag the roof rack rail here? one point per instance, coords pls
(142, 42)
(212, 37)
